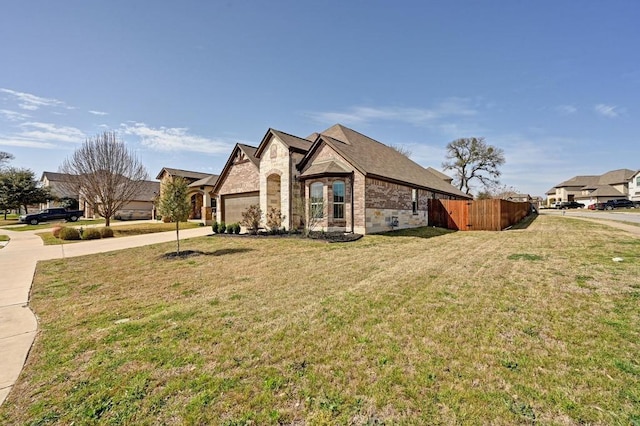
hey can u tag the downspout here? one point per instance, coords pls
(292, 176)
(352, 203)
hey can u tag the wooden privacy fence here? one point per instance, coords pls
(476, 215)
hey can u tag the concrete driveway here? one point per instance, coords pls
(18, 324)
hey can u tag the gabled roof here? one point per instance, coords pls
(612, 177)
(55, 177)
(329, 167)
(148, 191)
(293, 142)
(183, 173)
(208, 181)
(602, 191)
(580, 181)
(377, 160)
(249, 153)
(443, 176)
(616, 176)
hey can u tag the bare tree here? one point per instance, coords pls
(4, 158)
(105, 173)
(472, 159)
(174, 204)
(502, 192)
(402, 150)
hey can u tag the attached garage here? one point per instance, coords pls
(234, 205)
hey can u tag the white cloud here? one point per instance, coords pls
(566, 109)
(14, 115)
(175, 139)
(451, 107)
(41, 135)
(25, 143)
(610, 111)
(98, 112)
(42, 132)
(30, 102)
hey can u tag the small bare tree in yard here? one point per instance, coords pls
(274, 220)
(105, 173)
(251, 218)
(174, 204)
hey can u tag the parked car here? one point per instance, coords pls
(133, 215)
(596, 206)
(570, 205)
(54, 213)
(619, 204)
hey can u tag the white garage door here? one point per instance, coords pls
(234, 205)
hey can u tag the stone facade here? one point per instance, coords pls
(276, 179)
(390, 206)
(243, 176)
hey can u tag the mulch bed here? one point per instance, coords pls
(330, 237)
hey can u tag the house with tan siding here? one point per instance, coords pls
(203, 204)
(344, 180)
(141, 206)
(591, 189)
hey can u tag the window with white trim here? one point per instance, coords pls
(317, 200)
(338, 199)
(414, 200)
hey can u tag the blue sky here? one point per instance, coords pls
(555, 84)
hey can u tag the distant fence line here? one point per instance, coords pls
(476, 215)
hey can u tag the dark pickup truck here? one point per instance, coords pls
(56, 213)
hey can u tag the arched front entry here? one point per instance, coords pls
(196, 206)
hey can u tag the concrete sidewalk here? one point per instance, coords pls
(18, 325)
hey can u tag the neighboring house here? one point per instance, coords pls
(141, 207)
(634, 187)
(591, 189)
(203, 205)
(342, 179)
(61, 193)
(519, 198)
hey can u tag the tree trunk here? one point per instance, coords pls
(107, 221)
(178, 237)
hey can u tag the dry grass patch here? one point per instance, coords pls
(535, 325)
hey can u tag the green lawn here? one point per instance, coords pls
(4, 238)
(538, 325)
(123, 230)
(48, 225)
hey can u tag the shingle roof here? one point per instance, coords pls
(580, 181)
(602, 191)
(208, 181)
(250, 152)
(53, 176)
(378, 160)
(295, 142)
(616, 176)
(183, 173)
(443, 176)
(324, 168)
(148, 191)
